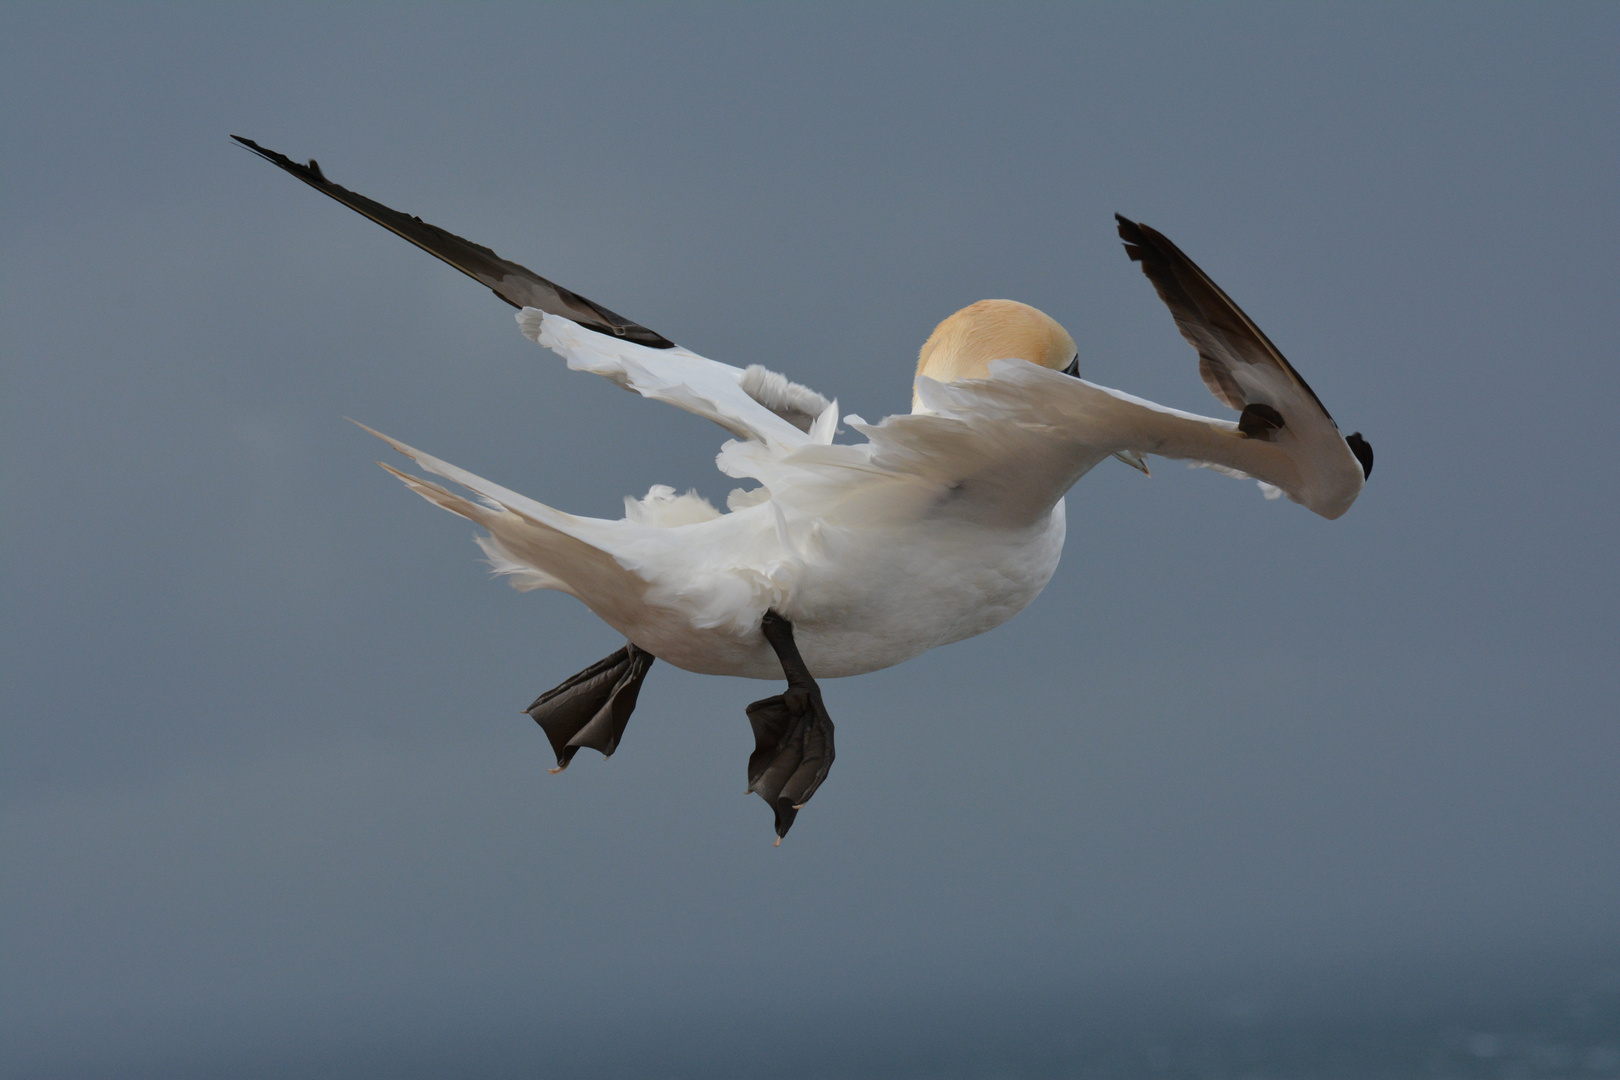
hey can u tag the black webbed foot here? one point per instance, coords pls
(793, 735)
(592, 707)
(793, 750)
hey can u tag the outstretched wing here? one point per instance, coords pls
(517, 285)
(1236, 360)
(751, 402)
(1004, 449)
(1038, 430)
(1051, 419)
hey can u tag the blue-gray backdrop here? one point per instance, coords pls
(270, 805)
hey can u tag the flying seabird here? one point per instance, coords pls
(842, 559)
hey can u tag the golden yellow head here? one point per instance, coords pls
(963, 345)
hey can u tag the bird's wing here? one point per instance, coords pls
(1047, 419)
(750, 402)
(515, 284)
(1238, 363)
(1000, 451)
(1004, 449)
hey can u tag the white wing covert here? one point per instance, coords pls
(751, 403)
(1008, 446)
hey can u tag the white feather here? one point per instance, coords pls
(939, 526)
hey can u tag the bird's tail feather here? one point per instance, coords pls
(537, 546)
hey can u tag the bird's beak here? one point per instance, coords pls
(1134, 460)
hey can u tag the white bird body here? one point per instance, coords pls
(943, 525)
(846, 558)
(861, 556)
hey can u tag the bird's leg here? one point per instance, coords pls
(793, 735)
(592, 707)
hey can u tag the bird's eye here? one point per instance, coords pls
(1074, 367)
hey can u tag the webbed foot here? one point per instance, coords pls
(592, 707)
(793, 735)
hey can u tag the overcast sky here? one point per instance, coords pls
(268, 796)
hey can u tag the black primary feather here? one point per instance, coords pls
(517, 285)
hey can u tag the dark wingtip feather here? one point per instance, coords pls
(311, 172)
(1363, 451)
(256, 148)
(514, 284)
(1131, 233)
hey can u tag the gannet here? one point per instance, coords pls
(838, 559)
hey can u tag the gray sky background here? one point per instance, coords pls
(268, 797)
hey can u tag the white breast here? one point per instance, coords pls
(859, 600)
